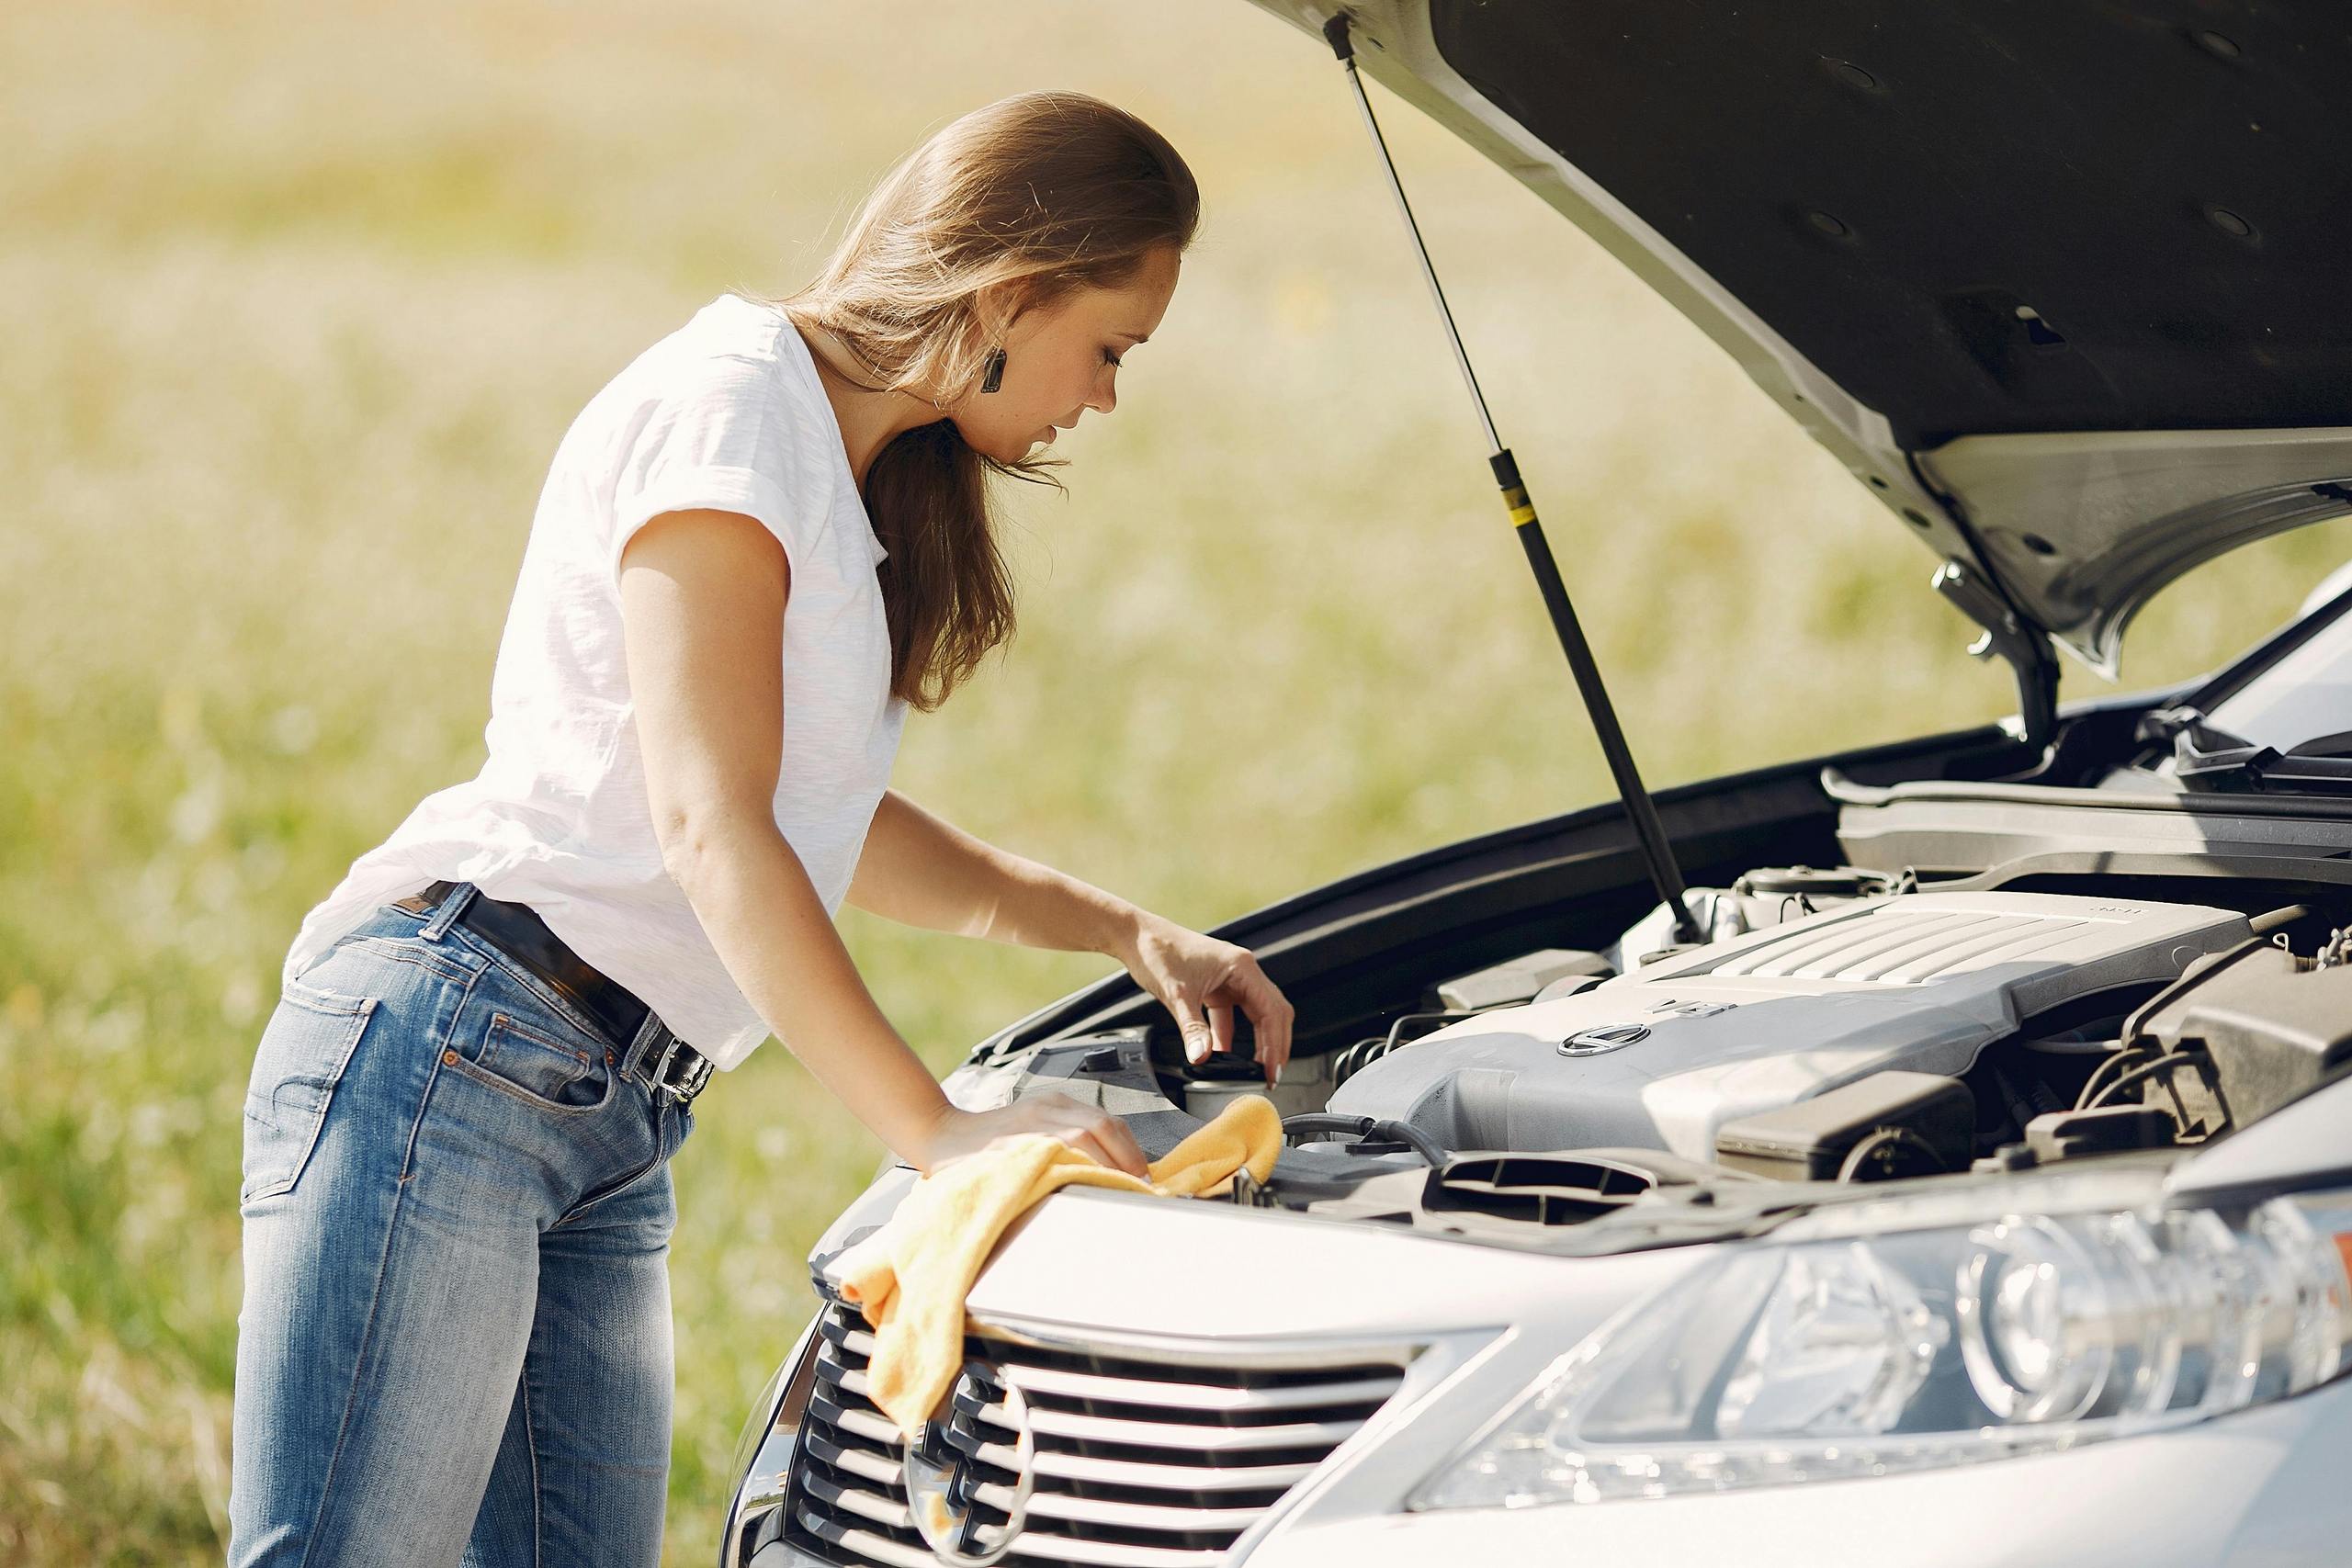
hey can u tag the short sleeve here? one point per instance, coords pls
(718, 438)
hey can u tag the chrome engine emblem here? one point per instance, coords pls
(942, 1471)
(1601, 1041)
(1692, 1010)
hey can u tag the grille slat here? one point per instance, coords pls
(1120, 1516)
(867, 1423)
(1061, 1382)
(1136, 1463)
(867, 1545)
(1050, 1422)
(1164, 1477)
(908, 1551)
(862, 1462)
(1045, 1419)
(874, 1506)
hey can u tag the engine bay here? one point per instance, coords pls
(2099, 954)
(1838, 1027)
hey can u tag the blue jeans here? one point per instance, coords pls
(455, 1341)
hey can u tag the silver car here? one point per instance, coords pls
(1936, 1153)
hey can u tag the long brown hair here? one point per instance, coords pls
(1047, 191)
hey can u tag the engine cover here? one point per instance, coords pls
(1661, 1058)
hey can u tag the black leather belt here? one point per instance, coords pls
(669, 1064)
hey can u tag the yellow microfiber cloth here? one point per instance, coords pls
(910, 1278)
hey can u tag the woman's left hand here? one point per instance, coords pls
(1201, 980)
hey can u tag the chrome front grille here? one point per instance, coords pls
(1137, 1462)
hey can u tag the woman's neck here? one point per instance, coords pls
(869, 420)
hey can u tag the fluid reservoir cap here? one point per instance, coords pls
(1227, 1066)
(1832, 882)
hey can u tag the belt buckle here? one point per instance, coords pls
(695, 1077)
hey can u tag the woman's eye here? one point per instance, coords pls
(1109, 357)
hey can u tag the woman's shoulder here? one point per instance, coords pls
(732, 344)
(730, 379)
(717, 414)
(746, 350)
(742, 321)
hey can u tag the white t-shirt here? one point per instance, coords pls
(727, 412)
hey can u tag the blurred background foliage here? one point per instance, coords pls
(296, 302)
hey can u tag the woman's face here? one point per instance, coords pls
(1061, 359)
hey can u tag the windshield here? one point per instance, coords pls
(2304, 694)
(2288, 695)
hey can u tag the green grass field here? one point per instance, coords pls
(296, 302)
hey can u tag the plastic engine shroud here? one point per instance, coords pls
(1663, 1057)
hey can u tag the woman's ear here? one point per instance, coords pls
(997, 306)
(992, 310)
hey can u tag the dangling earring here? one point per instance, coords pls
(996, 371)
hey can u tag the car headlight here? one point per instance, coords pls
(1834, 1356)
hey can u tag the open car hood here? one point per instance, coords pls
(2067, 283)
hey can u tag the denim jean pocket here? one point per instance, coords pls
(303, 1052)
(536, 1066)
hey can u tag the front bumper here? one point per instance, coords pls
(2262, 1486)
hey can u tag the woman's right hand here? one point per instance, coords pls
(1090, 1130)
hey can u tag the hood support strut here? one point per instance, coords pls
(1640, 810)
(2027, 650)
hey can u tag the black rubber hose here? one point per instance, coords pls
(1897, 1137)
(2083, 1101)
(1405, 1133)
(2141, 1073)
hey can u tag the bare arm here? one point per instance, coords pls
(701, 610)
(922, 870)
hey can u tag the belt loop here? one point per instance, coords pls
(650, 1035)
(446, 915)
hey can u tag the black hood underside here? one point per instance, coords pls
(1980, 215)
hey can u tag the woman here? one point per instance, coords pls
(758, 545)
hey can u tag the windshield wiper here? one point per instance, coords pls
(2214, 761)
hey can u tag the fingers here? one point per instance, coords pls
(1269, 1010)
(1108, 1143)
(1084, 1140)
(1196, 1027)
(1119, 1144)
(1271, 1015)
(1098, 1136)
(1204, 1009)
(1220, 1026)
